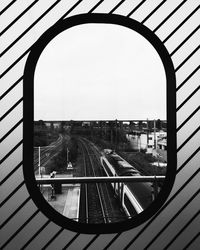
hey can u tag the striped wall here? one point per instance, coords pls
(176, 225)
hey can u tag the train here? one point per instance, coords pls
(133, 196)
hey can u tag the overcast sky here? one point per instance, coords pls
(99, 72)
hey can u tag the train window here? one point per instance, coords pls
(97, 93)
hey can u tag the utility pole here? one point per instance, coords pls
(67, 155)
(147, 133)
(116, 134)
(154, 134)
(91, 130)
(39, 167)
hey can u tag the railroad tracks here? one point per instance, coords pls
(44, 154)
(96, 199)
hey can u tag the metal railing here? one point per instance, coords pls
(116, 180)
(74, 180)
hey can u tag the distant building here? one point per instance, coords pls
(57, 125)
(86, 124)
(149, 142)
(162, 148)
(48, 124)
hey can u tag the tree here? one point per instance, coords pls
(140, 125)
(73, 150)
(62, 127)
(41, 124)
(151, 125)
(51, 127)
(158, 124)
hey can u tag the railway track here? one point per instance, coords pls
(94, 205)
(46, 153)
(96, 199)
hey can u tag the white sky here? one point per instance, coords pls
(99, 72)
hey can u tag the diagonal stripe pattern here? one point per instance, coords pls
(137, 236)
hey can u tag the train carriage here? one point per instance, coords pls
(115, 165)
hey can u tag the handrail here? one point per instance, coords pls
(117, 179)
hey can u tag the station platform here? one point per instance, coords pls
(67, 202)
(71, 208)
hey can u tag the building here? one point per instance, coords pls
(149, 141)
(162, 148)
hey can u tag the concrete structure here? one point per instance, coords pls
(162, 148)
(148, 141)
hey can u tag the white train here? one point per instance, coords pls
(115, 165)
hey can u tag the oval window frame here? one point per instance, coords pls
(28, 128)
